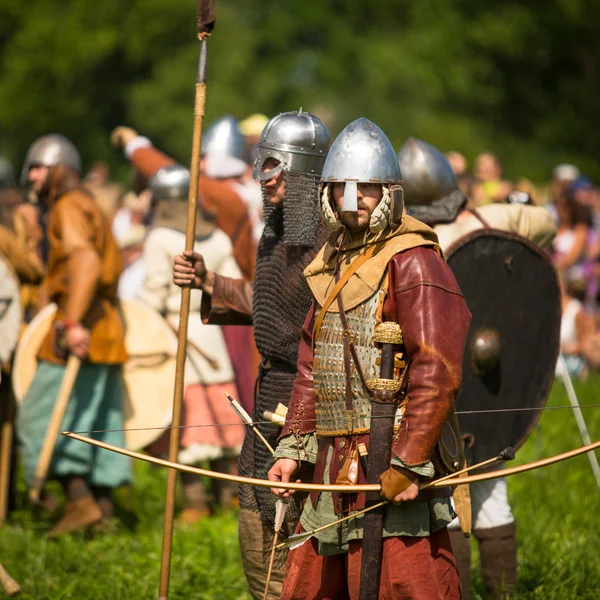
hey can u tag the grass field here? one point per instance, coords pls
(558, 530)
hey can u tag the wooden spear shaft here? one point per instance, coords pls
(6, 443)
(58, 412)
(184, 311)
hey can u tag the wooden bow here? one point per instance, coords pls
(321, 487)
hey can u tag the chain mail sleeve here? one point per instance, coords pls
(425, 299)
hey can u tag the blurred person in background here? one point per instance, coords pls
(219, 196)
(432, 195)
(107, 193)
(225, 158)
(135, 208)
(131, 245)
(209, 373)
(570, 244)
(526, 186)
(563, 176)
(215, 189)
(83, 270)
(459, 165)
(489, 186)
(576, 326)
(251, 128)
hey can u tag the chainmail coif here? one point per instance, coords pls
(282, 299)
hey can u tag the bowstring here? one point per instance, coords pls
(238, 423)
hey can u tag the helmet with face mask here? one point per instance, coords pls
(50, 151)
(362, 153)
(431, 191)
(297, 140)
(297, 144)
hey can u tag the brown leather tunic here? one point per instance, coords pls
(76, 223)
(424, 298)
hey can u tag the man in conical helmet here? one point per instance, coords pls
(432, 195)
(209, 373)
(288, 164)
(83, 270)
(381, 271)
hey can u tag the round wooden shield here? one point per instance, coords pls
(148, 374)
(512, 291)
(11, 312)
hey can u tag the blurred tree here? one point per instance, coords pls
(517, 78)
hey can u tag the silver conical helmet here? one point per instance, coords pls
(298, 140)
(361, 153)
(170, 183)
(223, 138)
(51, 150)
(426, 173)
(431, 191)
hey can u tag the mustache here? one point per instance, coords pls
(359, 206)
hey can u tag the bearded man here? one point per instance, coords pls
(289, 160)
(379, 266)
(82, 275)
(432, 195)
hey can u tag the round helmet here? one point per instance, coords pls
(426, 173)
(298, 140)
(170, 183)
(7, 174)
(224, 138)
(361, 153)
(51, 150)
(431, 190)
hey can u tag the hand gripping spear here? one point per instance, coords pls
(206, 23)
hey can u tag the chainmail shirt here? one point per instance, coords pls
(282, 299)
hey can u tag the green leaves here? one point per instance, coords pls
(460, 73)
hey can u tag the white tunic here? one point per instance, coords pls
(159, 291)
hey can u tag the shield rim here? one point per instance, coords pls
(46, 314)
(17, 282)
(471, 237)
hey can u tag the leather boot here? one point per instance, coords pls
(81, 510)
(226, 492)
(461, 548)
(195, 500)
(498, 551)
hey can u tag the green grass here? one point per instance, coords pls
(556, 509)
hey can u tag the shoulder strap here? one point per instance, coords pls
(478, 216)
(341, 282)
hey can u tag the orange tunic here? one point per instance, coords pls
(217, 196)
(76, 223)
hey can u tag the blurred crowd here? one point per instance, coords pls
(572, 198)
(229, 228)
(574, 201)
